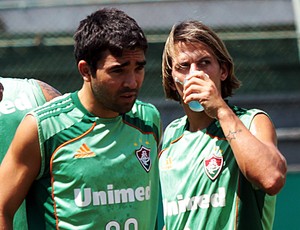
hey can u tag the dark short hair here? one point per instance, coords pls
(107, 29)
(195, 31)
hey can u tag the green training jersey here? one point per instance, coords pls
(202, 186)
(19, 97)
(96, 173)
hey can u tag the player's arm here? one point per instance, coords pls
(255, 150)
(48, 91)
(18, 170)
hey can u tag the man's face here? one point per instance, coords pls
(197, 56)
(1, 91)
(118, 81)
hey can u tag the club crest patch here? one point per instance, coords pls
(143, 155)
(213, 164)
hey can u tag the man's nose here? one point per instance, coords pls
(130, 81)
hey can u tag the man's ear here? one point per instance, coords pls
(85, 70)
(224, 72)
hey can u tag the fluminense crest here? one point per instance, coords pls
(213, 164)
(143, 155)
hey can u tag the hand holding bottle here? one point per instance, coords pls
(194, 105)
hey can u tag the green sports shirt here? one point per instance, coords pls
(95, 173)
(202, 186)
(19, 97)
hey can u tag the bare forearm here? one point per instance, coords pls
(258, 158)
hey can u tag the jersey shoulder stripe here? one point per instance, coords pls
(145, 117)
(54, 107)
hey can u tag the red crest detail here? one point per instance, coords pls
(213, 166)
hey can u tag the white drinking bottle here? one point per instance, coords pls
(194, 105)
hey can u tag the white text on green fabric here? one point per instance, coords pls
(110, 196)
(21, 103)
(182, 205)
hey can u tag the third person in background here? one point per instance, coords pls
(20, 96)
(220, 167)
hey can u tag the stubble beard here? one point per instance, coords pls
(109, 102)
